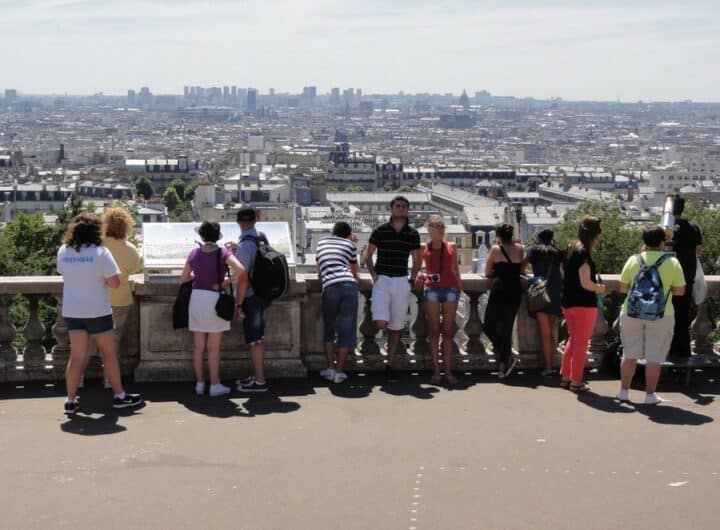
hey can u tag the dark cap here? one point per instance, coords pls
(246, 214)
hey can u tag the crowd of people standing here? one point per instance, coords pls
(96, 260)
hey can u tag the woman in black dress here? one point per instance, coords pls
(504, 265)
(546, 261)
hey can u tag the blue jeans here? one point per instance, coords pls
(340, 309)
(443, 295)
(254, 322)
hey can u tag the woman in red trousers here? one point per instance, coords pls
(580, 302)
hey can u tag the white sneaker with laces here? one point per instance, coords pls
(219, 390)
(200, 388)
(623, 395)
(653, 399)
(339, 377)
(328, 373)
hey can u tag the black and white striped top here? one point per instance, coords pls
(334, 256)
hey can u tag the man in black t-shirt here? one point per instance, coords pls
(687, 244)
(394, 241)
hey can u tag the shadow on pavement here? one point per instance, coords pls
(88, 426)
(669, 415)
(604, 403)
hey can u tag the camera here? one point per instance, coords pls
(434, 277)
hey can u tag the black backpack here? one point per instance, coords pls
(269, 274)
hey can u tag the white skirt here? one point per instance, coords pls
(202, 312)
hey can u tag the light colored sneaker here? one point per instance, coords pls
(200, 388)
(219, 390)
(653, 399)
(339, 377)
(328, 373)
(623, 395)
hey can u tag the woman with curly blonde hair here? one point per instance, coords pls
(117, 226)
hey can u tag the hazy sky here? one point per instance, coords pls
(628, 49)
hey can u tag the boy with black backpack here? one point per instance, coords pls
(269, 279)
(647, 319)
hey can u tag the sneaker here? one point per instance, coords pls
(71, 407)
(501, 375)
(253, 386)
(130, 400)
(547, 372)
(200, 388)
(513, 363)
(339, 377)
(653, 399)
(218, 390)
(623, 395)
(240, 382)
(328, 373)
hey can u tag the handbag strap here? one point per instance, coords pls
(221, 275)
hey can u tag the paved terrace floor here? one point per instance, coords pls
(520, 455)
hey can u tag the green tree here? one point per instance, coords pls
(171, 199)
(354, 189)
(28, 247)
(144, 187)
(533, 183)
(190, 190)
(179, 186)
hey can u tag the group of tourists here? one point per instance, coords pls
(96, 260)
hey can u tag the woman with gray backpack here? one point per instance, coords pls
(647, 319)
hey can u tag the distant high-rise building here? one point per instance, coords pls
(310, 93)
(251, 104)
(145, 97)
(334, 96)
(271, 92)
(131, 98)
(233, 93)
(10, 95)
(482, 96)
(186, 91)
(226, 93)
(464, 100)
(348, 95)
(358, 92)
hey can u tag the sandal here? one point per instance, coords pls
(564, 384)
(579, 389)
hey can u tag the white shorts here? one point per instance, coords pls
(391, 300)
(646, 339)
(202, 312)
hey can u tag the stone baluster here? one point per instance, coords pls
(369, 348)
(61, 350)
(34, 354)
(474, 349)
(701, 328)
(598, 343)
(420, 346)
(8, 353)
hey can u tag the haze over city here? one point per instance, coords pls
(651, 50)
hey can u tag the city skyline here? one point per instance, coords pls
(651, 50)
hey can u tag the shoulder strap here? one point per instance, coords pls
(641, 261)
(502, 249)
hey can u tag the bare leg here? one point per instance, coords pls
(77, 362)
(343, 353)
(392, 345)
(257, 352)
(652, 376)
(330, 355)
(449, 309)
(627, 371)
(213, 349)
(199, 340)
(546, 324)
(107, 344)
(432, 310)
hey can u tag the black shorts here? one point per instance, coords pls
(92, 326)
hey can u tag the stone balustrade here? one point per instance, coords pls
(152, 351)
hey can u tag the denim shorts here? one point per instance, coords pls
(254, 322)
(443, 295)
(340, 310)
(92, 326)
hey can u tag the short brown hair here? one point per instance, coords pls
(117, 222)
(654, 235)
(84, 229)
(588, 229)
(505, 232)
(399, 198)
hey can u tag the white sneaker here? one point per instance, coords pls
(623, 395)
(339, 377)
(200, 388)
(219, 390)
(653, 399)
(328, 373)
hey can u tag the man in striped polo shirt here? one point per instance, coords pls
(394, 241)
(337, 267)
